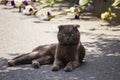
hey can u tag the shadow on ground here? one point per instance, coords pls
(102, 66)
(101, 63)
(95, 68)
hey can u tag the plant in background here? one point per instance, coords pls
(85, 5)
(78, 9)
(30, 10)
(116, 4)
(108, 15)
(46, 16)
(51, 3)
(74, 10)
(49, 16)
(41, 1)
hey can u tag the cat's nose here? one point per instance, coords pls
(67, 38)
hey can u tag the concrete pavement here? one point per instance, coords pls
(20, 34)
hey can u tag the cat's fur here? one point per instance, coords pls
(68, 53)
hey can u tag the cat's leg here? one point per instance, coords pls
(42, 61)
(57, 65)
(71, 65)
(23, 59)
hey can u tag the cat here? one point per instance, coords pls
(68, 52)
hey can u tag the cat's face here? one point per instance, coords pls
(68, 34)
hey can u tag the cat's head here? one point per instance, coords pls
(68, 34)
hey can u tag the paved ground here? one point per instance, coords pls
(20, 34)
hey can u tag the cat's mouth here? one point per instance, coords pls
(68, 40)
(69, 43)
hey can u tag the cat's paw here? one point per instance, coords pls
(35, 64)
(11, 63)
(55, 68)
(68, 69)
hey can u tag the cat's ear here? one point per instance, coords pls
(60, 27)
(77, 26)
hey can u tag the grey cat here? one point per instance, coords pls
(68, 53)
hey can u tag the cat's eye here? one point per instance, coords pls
(63, 34)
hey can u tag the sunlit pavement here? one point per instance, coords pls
(20, 34)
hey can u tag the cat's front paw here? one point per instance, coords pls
(11, 63)
(35, 64)
(55, 68)
(68, 69)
